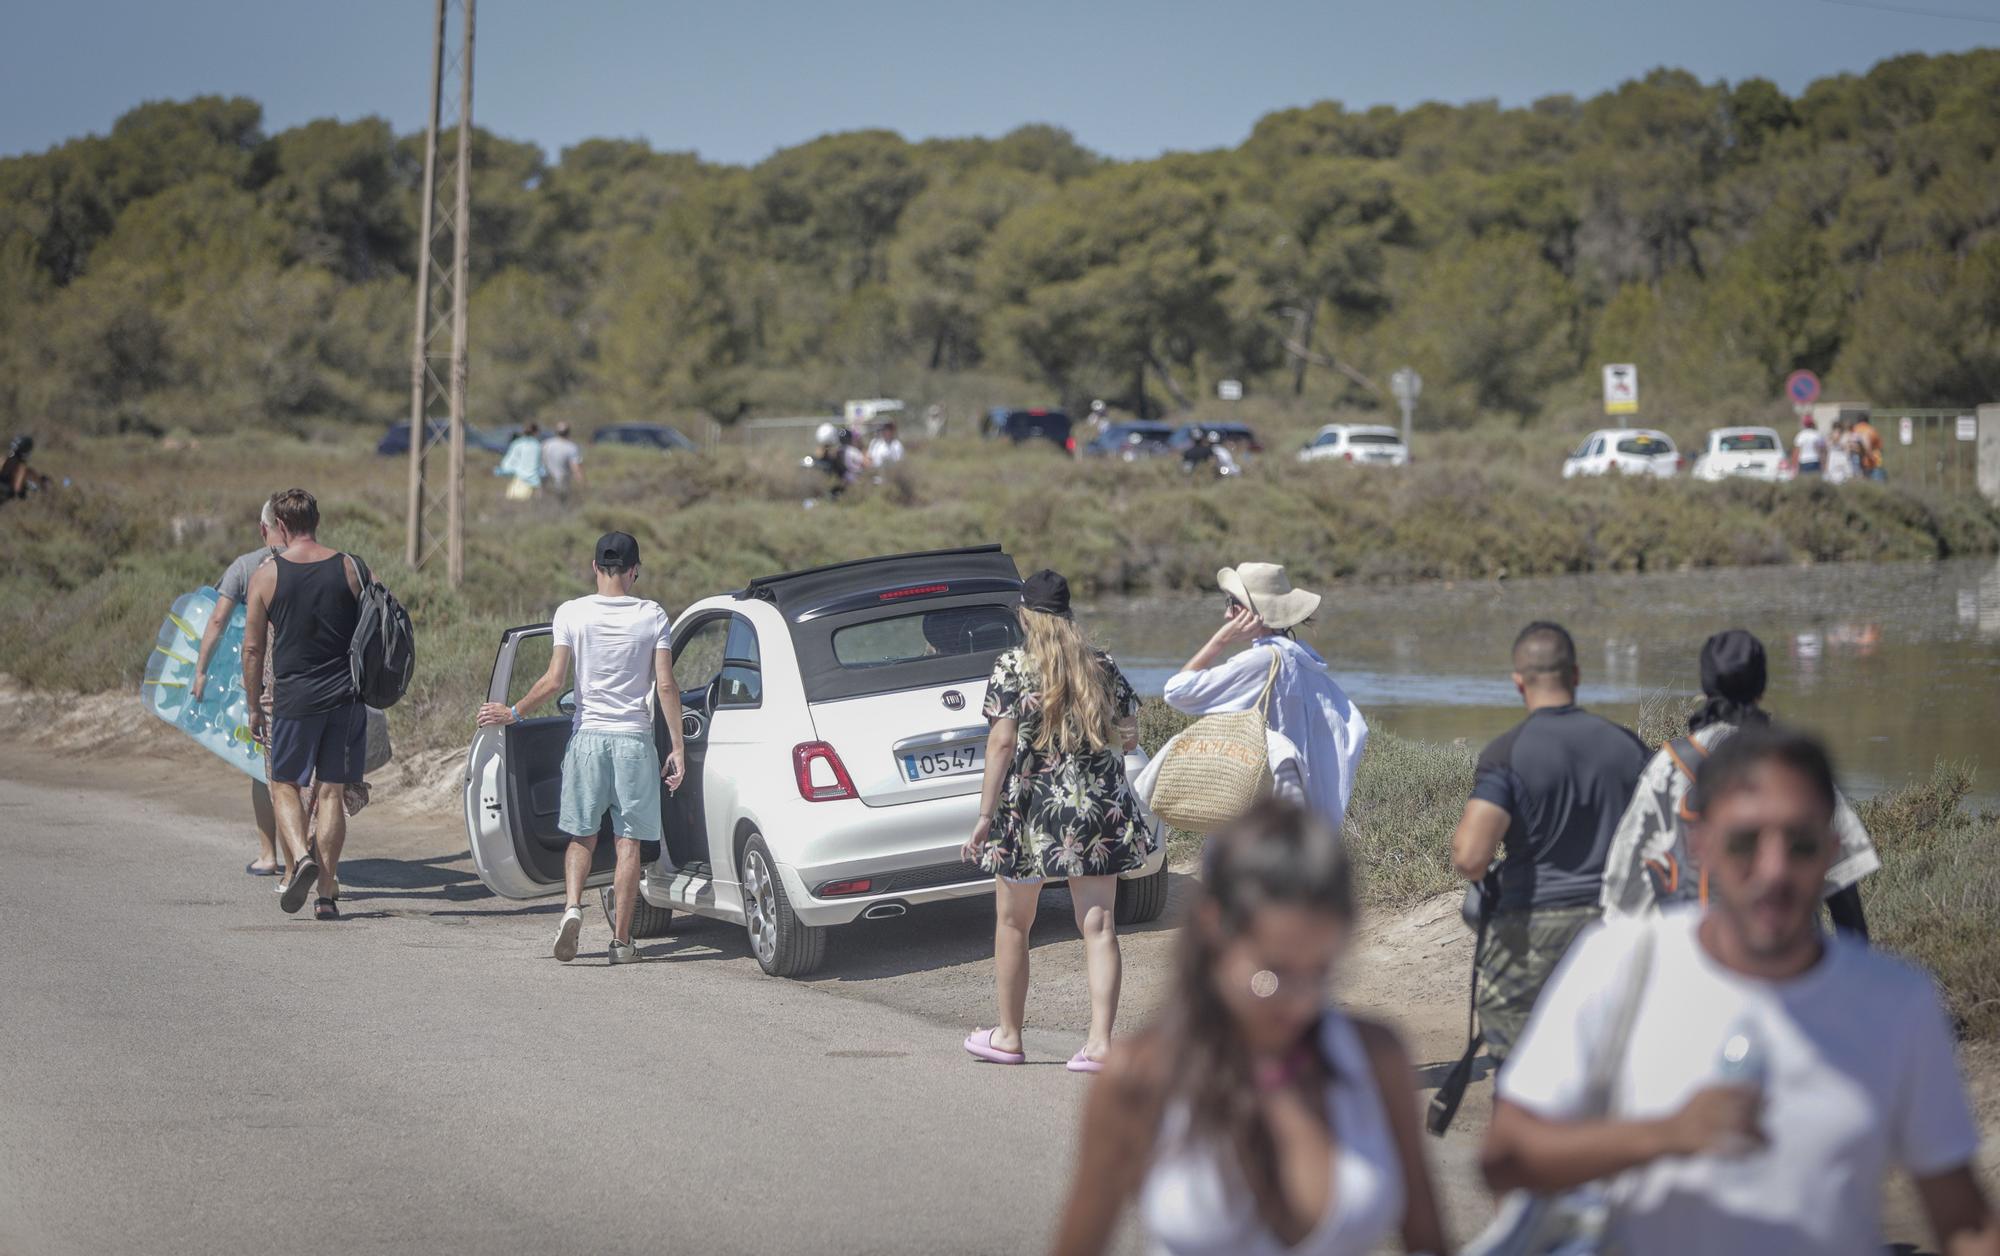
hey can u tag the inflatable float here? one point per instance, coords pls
(220, 722)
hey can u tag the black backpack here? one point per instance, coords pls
(383, 653)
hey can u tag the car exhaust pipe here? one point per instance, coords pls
(886, 911)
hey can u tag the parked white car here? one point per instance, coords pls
(1354, 442)
(835, 751)
(1628, 450)
(1747, 453)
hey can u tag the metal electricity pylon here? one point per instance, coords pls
(437, 362)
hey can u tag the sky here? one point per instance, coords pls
(737, 79)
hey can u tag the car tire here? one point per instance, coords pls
(1141, 900)
(649, 921)
(784, 945)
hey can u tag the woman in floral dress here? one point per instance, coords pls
(1056, 805)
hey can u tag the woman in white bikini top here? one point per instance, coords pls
(1254, 1119)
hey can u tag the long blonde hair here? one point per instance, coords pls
(1077, 713)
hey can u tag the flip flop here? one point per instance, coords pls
(1081, 1063)
(979, 1043)
(255, 871)
(294, 896)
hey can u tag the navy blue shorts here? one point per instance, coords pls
(330, 746)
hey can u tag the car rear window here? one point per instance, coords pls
(941, 633)
(1373, 438)
(1645, 446)
(1747, 443)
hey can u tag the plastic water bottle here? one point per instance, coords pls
(1744, 1059)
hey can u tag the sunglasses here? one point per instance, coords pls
(1801, 845)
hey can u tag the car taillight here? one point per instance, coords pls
(838, 889)
(1069, 444)
(1680, 463)
(821, 775)
(1349, 455)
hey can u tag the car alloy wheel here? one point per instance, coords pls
(760, 907)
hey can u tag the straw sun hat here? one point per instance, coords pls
(1265, 589)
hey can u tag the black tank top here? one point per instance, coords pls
(313, 614)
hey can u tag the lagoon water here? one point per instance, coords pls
(1896, 665)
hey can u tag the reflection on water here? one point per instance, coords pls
(1896, 665)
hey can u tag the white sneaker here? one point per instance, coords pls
(572, 924)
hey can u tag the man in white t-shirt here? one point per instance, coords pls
(1771, 1076)
(886, 449)
(621, 648)
(1810, 446)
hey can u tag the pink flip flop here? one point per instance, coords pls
(979, 1044)
(1081, 1063)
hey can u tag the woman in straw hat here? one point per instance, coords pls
(1307, 708)
(1056, 805)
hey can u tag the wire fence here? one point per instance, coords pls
(1932, 449)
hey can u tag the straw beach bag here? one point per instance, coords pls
(1213, 771)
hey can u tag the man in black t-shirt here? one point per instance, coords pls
(1550, 792)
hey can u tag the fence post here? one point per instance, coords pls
(1988, 452)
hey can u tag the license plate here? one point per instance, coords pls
(944, 761)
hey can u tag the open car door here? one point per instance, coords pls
(513, 783)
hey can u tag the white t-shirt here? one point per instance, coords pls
(1809, 443)
(560, 456)
(1860, 1076)
(612, 641)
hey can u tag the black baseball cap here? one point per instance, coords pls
(1046, 591)
(617, 550)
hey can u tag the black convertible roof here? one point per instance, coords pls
(836, 587)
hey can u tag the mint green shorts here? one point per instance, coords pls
(615, 772)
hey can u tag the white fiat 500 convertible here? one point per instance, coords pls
(835, 751)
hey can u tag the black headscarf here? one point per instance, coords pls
(1733, 675)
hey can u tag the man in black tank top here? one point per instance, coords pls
(309, 596)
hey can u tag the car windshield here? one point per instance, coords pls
(1645, 446)
(1374, 438)
(1747, 443)
(927, 634)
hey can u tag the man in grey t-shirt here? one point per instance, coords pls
(562, 463)
(230, 591)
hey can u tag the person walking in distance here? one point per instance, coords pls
(308, 597)
(621, 647)
(562, 463)
(1056, 804)
(1256, 1118)
(1649, 864)
(1763, 1076)
(1550, 791)
(231, 591)
(1810, 446)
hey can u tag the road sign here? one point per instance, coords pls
(1229, 389)
(1906, 430)
(1968, 427)
(1407, 385)
(1621, 388)
(1802, 387)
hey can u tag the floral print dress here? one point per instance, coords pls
(1061, 815)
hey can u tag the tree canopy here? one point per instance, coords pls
(189, 269)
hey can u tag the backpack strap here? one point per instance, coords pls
(1687, 755)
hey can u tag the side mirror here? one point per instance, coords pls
(567, 703)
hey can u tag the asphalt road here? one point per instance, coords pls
(185, 1069)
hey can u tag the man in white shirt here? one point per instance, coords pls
(562, 462)
(1810, 446)
(886, 448)
(620, 645)
(1770, 1076)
